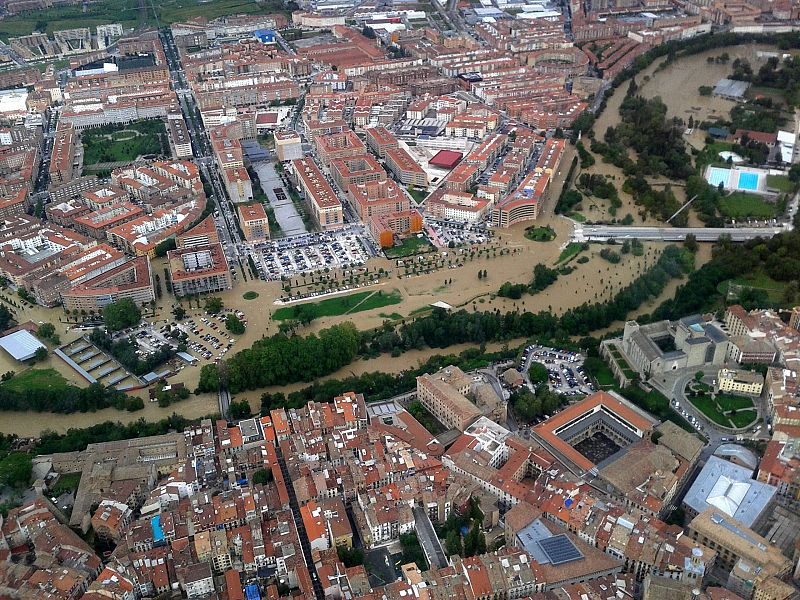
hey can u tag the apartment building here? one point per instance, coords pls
(780, 467)
(238, 184)
(14, 204)
(96, 224)
(385, 227)
(749, 383)
(203, 234)
(199, 270)
(62, 161)
(288, 146)
(253, 219)
(325, 206)
(443, 394)
(179, 140)
(131, 280)
(405, 167)
(339, 145)
(457, 206)
(379, 139)
(356, 171)
(140, 236)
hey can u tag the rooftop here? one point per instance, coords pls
(730, 489)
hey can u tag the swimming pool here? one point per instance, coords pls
(717, 175)
(748, 181)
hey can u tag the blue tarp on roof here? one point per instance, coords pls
(251, 592)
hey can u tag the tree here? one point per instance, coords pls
(5, 317)
(47, 331)
(239, 410)
(475, 541)
(368, 32)
(452, 544)
(234, 324)
(262, 476)
(40, 354)
(655, 436)
(537, 373)
(350, 557)
(179, 312)
(15, 470)
(122, 314)
(163, 247)
(690, 243)
(213, 305)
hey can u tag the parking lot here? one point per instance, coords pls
(693, 421)
(459, 233)
(205, 336)
(307, 254)
(565, 369)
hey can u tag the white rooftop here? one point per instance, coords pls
(21, 345)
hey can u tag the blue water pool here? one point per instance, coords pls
(748, 181)
(717, 175)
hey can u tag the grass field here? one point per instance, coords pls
(341, 305)
(251, 295)
(409, 247)
(540, 234)
(740, 205)
(572, 250)
(35, 379)
(758, 280)
(116, 143)
(66, 483)
(780, 183)
(743, 418)
(709, 408)
(729, 402)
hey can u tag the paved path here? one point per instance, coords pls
(285, 212)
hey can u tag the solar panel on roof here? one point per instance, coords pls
(560, 549)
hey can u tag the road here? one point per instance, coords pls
(301, 530)
(602, 233)
(235, 247)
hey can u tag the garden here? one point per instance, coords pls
(726, 410)
(124, 143)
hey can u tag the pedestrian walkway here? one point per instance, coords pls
(286, 214)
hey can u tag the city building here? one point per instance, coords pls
(730, 489)
(253, 219)
(749, 383)
(444, 395)
(655, 348)
(198, 270)
(131, 279)
(288, 146)
(326, 208)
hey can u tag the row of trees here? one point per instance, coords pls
(67, 399)
(280, 360)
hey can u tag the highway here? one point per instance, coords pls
(602, 233)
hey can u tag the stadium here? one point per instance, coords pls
(594, 431)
